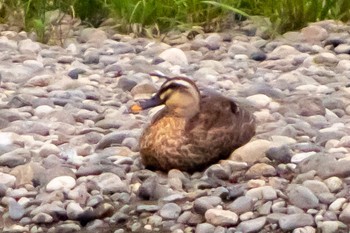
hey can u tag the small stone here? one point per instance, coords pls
(292, 221)
(258, 56)
(14, 228)
(253, 225)
(42, 218)
(260, 169)
(334, 183)
(147, 208)
(175, 56)
(110, 183)
(28, 46)
(217, 171)
(317, 187)
(241, 205)
(259, 100)
(74, 74)
(265, 193)
(8, 180)
(281, 154)
(204, 228)
(151, 189)
(252, 151)
(15, 158)
(297, 158)
(342, 48)
(219, 217)
(314, 34)
(68, 227)
(345, 215)
(202, 204)
(329, 227)
(16, 210)
(170, 211)
(302, 197)
(74, 210)
(265, 209)
(337, 204)
(61, 182)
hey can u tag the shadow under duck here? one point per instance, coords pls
(194, 129)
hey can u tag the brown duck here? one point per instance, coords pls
(194, 129)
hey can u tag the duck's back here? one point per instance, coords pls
(221, 127)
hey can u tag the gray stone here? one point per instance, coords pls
(147, 208)
(14, 158)
(292, 221)
(7, 179)
(16, 210)
(175, 56)
(253, 225)
(202, 204)
(316, 186)
(281, 154)
(241, 205)
(110, 183)
(28, 46)
(42, 218)
(204, 228)
(302, 197)
(345, 215)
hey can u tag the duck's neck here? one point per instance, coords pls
(186, 112)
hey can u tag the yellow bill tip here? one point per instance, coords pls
(135, 108)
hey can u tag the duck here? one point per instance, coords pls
(194, 129)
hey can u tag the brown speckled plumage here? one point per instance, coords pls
(192, 141)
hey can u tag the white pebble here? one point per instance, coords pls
(297, 158)
(61, 182)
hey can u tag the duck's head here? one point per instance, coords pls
(180, 96)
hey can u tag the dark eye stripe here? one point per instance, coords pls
(172, 87)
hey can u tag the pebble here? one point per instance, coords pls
(345, 215)
(292, 221)
(202, 204)
(205, 228)
(170, 211)
(7, 180)
(61, 182)
(241, 205)
(334, 183)
(16, 210)
(302, 197)
(253, 225)
(252, 151)
(219, 217)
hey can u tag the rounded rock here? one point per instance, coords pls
(253, 225)
(219, 217)
(61, 182)
(204, 228)
(292, 221)
(302, 197)
(170, 211)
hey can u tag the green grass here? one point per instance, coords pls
(143, 17)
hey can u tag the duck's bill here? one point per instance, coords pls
(145, 104)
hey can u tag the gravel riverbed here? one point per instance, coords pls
(69, 157)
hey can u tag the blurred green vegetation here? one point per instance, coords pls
(145, 16)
